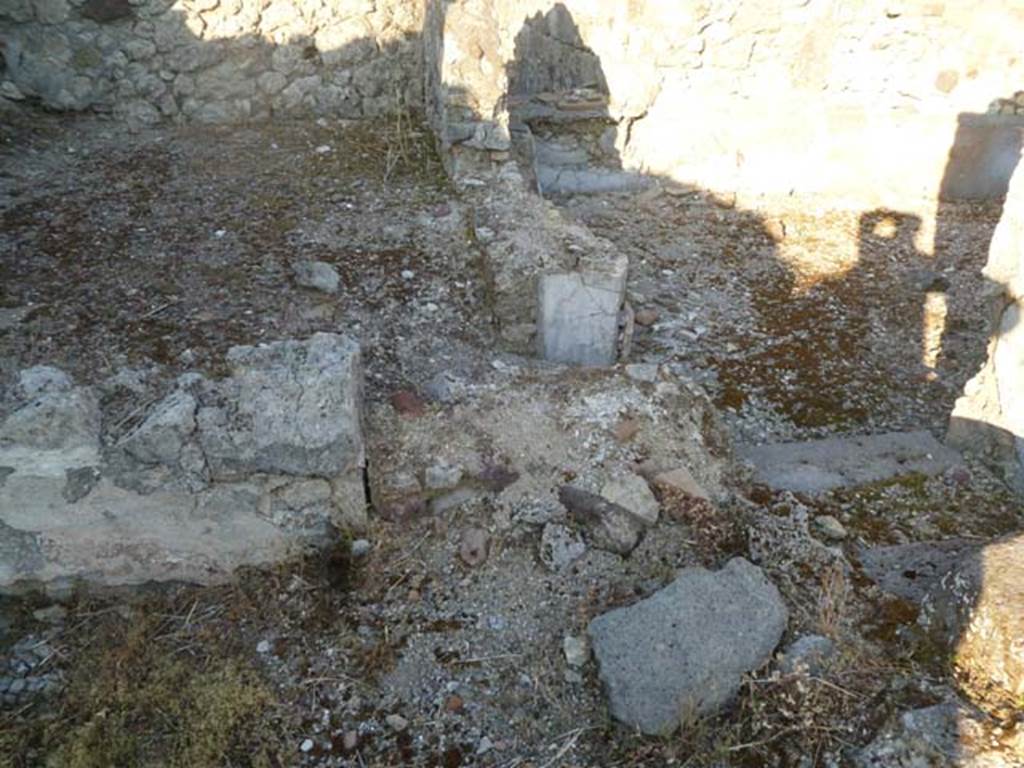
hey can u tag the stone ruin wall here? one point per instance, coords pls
(854, 99)
(213, 60)
(861, 99)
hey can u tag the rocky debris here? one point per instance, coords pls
(518, 433)
(686, 648)
(560, 546)
(317, 275)
(396, 723)
(808, 655)
(473, 546)
(781, 538)
(818, 466)
(946, 735)
(217, 474)
(976, 610)
(27, 672)
(631, 492)
(609, 526)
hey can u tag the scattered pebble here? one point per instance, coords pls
(473, 547)
(396, 723)
(361, 548)
(646, 316)
(263, 646)
(830, 528)
(307, 745)
(576, 650)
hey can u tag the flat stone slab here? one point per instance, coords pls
(911, 570)
(687, 647)
(818, 466)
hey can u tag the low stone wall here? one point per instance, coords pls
(245, 470)
(226, 61)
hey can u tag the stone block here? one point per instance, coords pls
(578, 315)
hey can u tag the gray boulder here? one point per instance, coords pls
(685, 649)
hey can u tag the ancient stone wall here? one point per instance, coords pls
(863, 99)
(989, 417)
(213, 60)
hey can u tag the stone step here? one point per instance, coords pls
(819, 466)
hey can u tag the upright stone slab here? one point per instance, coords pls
(556, 289)
(578, 315)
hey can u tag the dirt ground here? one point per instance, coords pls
(128, 258)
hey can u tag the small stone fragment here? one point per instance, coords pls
(646, 372)
(307, 745)
(680, 479)
(632, 493)
(576, 650)
(626, 430)
(830, 528)
(361, 548)
(646, 316)
(9, 90)
(350, 740)
(473, 547)
(318, 275)
(442, 476)
(396, 723)
(51, 615)
(560, 546)
(808, 655)
(611, 527)
(263, 646)
(453, 703)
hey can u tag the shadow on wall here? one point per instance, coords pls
(233, 62)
